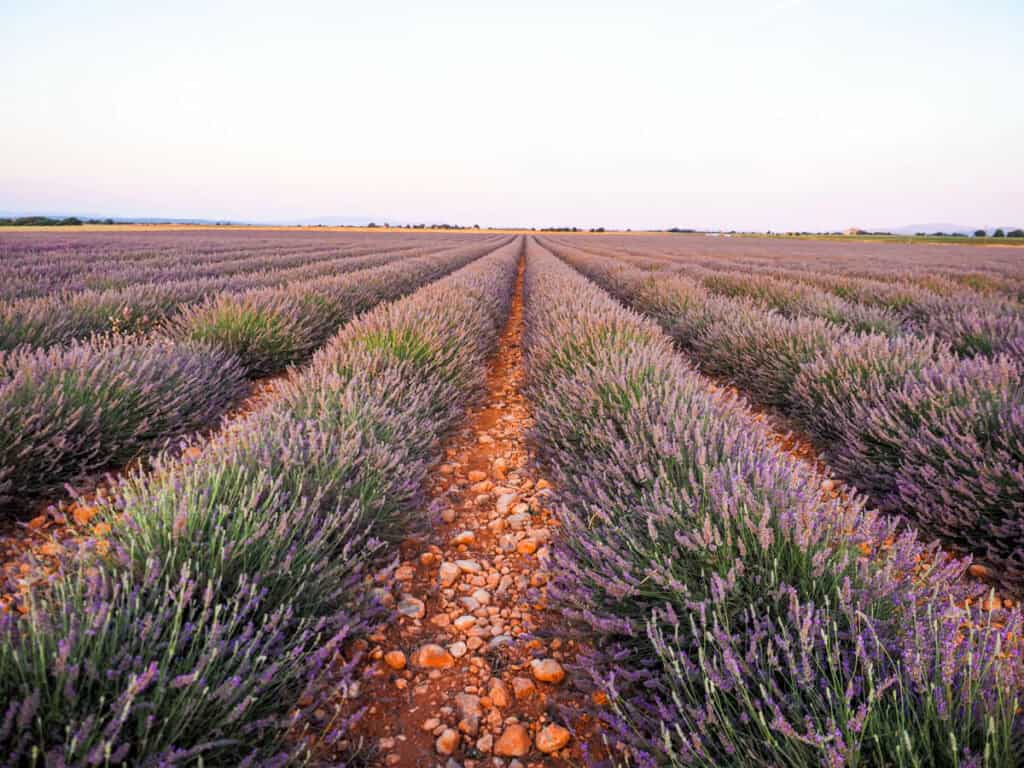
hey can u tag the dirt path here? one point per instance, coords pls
(471, 670)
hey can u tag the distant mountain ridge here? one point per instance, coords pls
(940, 226)
(327, 221)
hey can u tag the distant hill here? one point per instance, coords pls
(327, 221)
(940, 226)
(338, 221)
(116, 219)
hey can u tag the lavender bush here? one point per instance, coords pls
(946, 448)
(928, 435)
(762, 352)
(163, 668)
(799, 300)
(856, 369)
(68, 413)
(924, 432)
(733, 615)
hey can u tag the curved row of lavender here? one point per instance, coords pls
(927, 434)
(140, 307)
(70, 412)
(215, 630)
(972, 322)
(735, 615)
(36, 264)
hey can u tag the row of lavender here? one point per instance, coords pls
(105, 274)
(31, 266)
(735, 615)
(214, 631)
(68, 412)
(971, 321)
(990, 270)
(57, 319)
(927, 434)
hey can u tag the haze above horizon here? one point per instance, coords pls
(786, 115)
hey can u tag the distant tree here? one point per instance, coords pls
(371, 225)
(1015, 233)
(999, 233)
(980, 233)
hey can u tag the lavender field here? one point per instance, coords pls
(300, 497)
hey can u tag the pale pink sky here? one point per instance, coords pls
(644, 114)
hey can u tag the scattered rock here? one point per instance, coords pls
(432, 656)
(518, 521)
(458, 649)
(514, 742)
(395, 659)
(466, 537)
(499, 694)
(485, 743)
(552, 738)
(547, 671)
(523, 687)
(527, 546)
(447, 742)
(470, 712)
(468, 566)
(449, 574)
(504, 503)
(979, 571)
(411, 607)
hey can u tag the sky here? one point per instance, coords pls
(730, 114)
